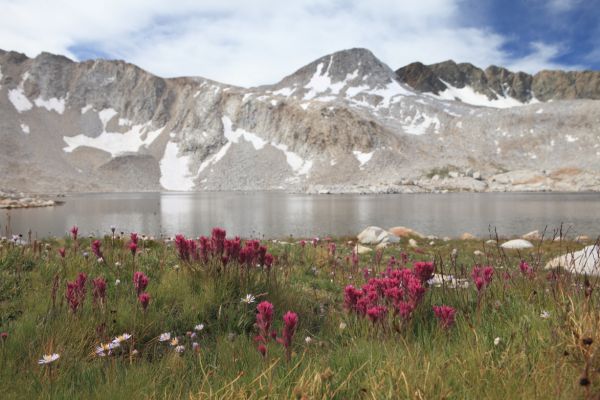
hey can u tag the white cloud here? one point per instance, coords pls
(251, 42)
(560, 6)
(540, 58)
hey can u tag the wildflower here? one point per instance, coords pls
(122, 338)
(264, 319)
(545, 314)
(445, 315)
(74, 231)
(199, 327)
(342, 326)
(104, 349)
(4, 336)
(96, 244)
(496, 341)
(526, 270)
(377, 313)
(144, 300)
(62, 252)
(140, 282)
(99, 291)
(174, 341)
(262, 349)
(423, 270)
(133, 248)
(85, 254)
(308, 340)
(117, 282)
(248, 299)
(164, 337)
(134, 237)
(117, 264)
(195, 347)
(48, 358)
(482, 277)
(180, 349)
(290, 322)
(113, 229)
(302, 243)
(332, 249)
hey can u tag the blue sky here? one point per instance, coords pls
(256, 42)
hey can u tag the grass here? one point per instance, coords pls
(533, 357)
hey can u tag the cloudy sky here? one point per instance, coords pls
(251, 42)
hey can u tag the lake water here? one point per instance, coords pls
(278, 215)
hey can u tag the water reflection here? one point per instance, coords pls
(274, 214)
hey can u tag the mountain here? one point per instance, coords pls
(497, 86)
(346, 122)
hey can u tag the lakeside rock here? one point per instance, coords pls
(402, 231)
(9, 200)
(517, 244)
(585, 261)
(533, 235)
(376, 235)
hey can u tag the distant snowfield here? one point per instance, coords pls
(52, 104)
(114, 143)
(299, 165)
(469, 96)
(363, 158)
(19, 100)
(175, 170)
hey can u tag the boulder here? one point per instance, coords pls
(413, 243)
(517, 244)
(533, 235)
(582, 238)
(402, 231)
(376, 235)
(362, 249)
(467, 236)
(585, 261)
(478, 253)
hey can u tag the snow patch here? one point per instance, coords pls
(175, 169)
(420, 124)
(215, 158)
(468, 95)
(363, 158)
(571, 139)
(52, 104)
(113, 142)
(106, 115)
(25, 129)
(541, 110)
(86, 108)
(286, 92)
(19, 100)
(125, 122)
(299, 165)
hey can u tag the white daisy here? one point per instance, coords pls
(308, 340)
(496, 341)
(199, 327)
(180, 349)
(545, 314)
(164, 337)
(48, 358)
(249, 299)
(342, 326)
(122, 338)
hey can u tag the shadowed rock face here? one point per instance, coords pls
(345, 122)
(497, 81)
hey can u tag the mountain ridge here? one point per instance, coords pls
(342, 123)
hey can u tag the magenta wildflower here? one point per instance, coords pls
(482, 276)
(262, 349)
(332, 248)
(96, 244)
(63, 252)
(445, 315)
(264, 319)
(302, 243)
(377, 314)
(423, 270)
(218, 240)
(140, 282)
(74, 231)
(4, 335)
(133, 248)
(526, 270)
(268, 261)
(144, 299)
(290, 322)
(133, 236)
(404, 309)
(99, 290)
